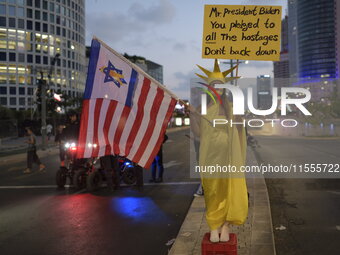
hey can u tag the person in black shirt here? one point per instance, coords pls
(71, 131)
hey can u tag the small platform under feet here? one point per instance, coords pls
(221, 248)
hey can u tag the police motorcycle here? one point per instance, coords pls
(127, 174)
(75, 169)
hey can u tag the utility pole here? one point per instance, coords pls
(43, 99)
(43, 109)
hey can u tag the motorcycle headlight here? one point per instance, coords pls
(67, 145)
(73, 145)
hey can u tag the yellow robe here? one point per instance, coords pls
(225, 196)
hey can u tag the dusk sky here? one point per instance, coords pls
(168, 32)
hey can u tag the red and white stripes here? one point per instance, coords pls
(110, 127)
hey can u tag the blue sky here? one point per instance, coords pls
(168, 32)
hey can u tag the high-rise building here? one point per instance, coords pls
(34, 33)
(293, 50)
(153, 69)
(314, 39)
(317, 39)
(264, 95)
(281, 68)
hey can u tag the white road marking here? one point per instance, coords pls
(68, 186)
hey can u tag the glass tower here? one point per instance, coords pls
(33, 33)
(316, 22)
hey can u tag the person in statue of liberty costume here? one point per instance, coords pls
(225, 194)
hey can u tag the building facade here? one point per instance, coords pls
(41, 36)
(314, 52)
(293, 49)
(153, 69)
(281, 68)
(316, 23)
(264, 95)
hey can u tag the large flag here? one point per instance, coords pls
(125, 111)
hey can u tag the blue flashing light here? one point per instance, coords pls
(140, 209)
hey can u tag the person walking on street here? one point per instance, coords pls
(158, 162)
(32, 156)
(49, 128)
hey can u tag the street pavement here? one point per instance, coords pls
(37, 218)
(305, 212)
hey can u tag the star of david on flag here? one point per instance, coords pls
(127, 119)
(113, 74)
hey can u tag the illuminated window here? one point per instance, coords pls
(37, 47)
(3, 33)
(28, 36)
(12, 69)
(29, 46)
(12, 45)
(21, 69)
(12, 34)
(29, 82)
(21, 47)
(44, 38)
(3, 44)
(3, 68)
(21, 80)
(21, 35)
(37, 37)
(51, 51)
(29, 69)
(3, 80)
(45, 48)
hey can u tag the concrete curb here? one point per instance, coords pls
(254, 237)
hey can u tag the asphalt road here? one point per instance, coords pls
(36, 218)
(306, 210)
